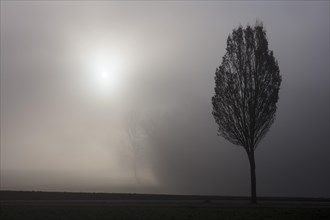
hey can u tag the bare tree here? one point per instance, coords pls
(246, 92)
(136, 137)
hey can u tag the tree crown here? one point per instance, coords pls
(247, 87)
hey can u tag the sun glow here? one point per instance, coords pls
(106, 64)
(107, 75)
(109, 80)
(104, 75)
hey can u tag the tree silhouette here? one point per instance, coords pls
(246, 92)
(135, 137)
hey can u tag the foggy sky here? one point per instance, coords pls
(61, 131)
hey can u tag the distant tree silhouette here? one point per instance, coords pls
(246, 92)
(136, 136)
(131, 127)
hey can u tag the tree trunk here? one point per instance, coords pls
(253, 177)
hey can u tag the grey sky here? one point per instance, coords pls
(62, 129)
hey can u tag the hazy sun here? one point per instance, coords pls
(104, 75)
(106, 69)
(108, 79)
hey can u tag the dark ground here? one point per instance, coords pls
(47, 205)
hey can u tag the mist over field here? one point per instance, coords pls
(77, 76)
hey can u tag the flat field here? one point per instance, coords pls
(27, 205)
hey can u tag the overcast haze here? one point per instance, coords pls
(76, 75)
